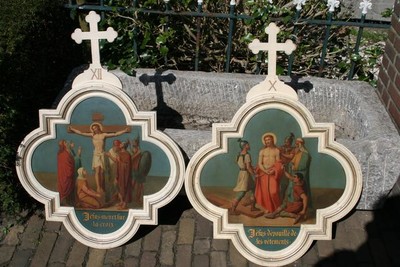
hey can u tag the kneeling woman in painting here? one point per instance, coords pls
(85, 196)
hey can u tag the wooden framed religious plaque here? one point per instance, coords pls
(98, 164)
(273, 180)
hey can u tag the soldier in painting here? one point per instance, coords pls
(301, 164)
(141, 164)
(245, 181)
(295, 202)
(286, 153)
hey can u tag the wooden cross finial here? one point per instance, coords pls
(272, 47)
(94, 35)
(272, 86)
(95, 73)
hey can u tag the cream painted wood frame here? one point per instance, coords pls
(47, 131)
(271, 95)
(322, 229)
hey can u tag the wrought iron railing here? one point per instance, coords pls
(360, 23)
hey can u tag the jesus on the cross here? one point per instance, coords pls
(98, 139)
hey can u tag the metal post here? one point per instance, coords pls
(230, 34)
(291, 57)
(325, 44)
(356, 49)
(198, 34)
(135, 45)
(167, 8)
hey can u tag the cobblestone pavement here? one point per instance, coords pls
(184, 238)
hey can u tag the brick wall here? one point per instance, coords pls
(389, 74)
(389, 77)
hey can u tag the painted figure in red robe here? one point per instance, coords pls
(65, 173)
(268, 173)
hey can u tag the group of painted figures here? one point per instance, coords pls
(118, 172)
(281, 183)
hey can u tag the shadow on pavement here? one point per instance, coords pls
(383, 239)
(167, 215)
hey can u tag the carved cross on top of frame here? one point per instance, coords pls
(272, 86)
(95, 73)
(272, 47)
(94, 35)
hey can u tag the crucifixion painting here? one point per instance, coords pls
(98, 133)
(91, 160)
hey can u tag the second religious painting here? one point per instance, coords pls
(272, 179)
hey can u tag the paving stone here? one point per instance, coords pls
(96, 257)
(379, 252)
(340, 242)
(21, 258)
(148, 259)
(50, 226)
(311, 257)
(133, 249)
(218, 258)
(346, 258)
(353, 222)
(220, 244)
(186, 231)
(12, 238)
(113, 256)
(392, 245)
(152, 240)
(190, 213)
(44, 249)
(203, 227)
(167, 248)
(165, 228)
(183, 256)
(77, 255)
(30, 237)
(363, 255)
(235, 258)
(56, 264)
(252, 264)
(325, 248)
(356, 238)
(201, 246)
(62, 247)
(6, 253)
(131, 262)
(201, 261)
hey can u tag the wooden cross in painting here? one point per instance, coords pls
(94, 35)
(272, 47)
(98, 117)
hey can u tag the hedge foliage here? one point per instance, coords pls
(36, 56)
